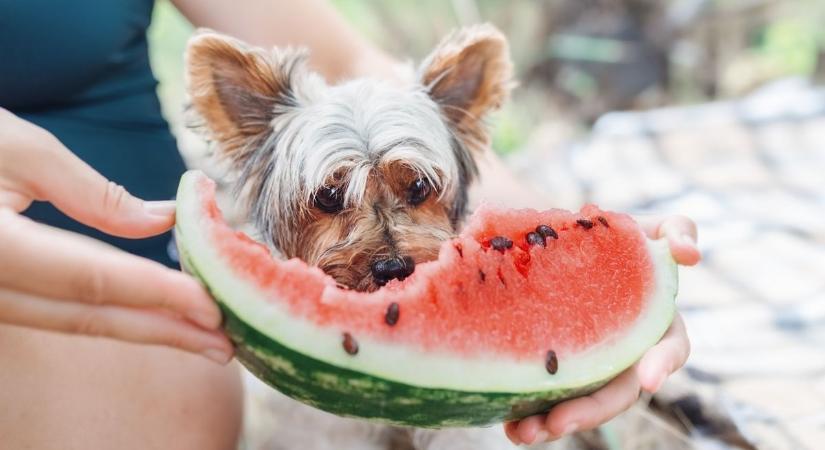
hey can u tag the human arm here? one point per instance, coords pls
(60, 281)
(337, 51)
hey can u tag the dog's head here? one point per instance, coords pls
(364, 178)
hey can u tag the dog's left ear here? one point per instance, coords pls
(469, 75)
(237, 90)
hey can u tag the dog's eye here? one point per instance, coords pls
(329, 199)
(418, 192)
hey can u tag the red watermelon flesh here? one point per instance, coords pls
(582, 289)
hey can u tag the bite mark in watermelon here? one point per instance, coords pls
(497, 328)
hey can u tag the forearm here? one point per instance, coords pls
(498, 185)
(337, 50)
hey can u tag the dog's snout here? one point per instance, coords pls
(385, 270)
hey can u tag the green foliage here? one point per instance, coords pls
(784, 40)
(167, 41)
(791, 44)
(510, 128)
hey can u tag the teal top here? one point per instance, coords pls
(80, 69)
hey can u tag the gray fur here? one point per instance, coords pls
(349, 130)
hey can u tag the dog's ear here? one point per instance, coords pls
(468, 75)
(237, 90)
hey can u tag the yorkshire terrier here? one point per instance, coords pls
(365, 178)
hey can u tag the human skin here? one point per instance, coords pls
(72, 389)
(75, 391)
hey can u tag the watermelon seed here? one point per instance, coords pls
(534, 238)
(350, 346)
(501, 243)
(482, 275)
(603, 221)
(546, 231)
(551, 363)
(459, 249)
(585, 223)
(392, 314)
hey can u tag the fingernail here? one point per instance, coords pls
(216, 355)
(688, 239)
(161, 208)
(541, 436)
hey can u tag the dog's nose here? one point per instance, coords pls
(385, 270)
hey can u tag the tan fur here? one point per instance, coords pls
(239, 91)
(382, 226)
(235, 88)
(469, 74)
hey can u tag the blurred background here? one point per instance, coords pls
(709, 108)
(580, 59)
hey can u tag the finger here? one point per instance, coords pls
(681, 236)
(660, 361)
(664, 358)
(85, 195)
(590, 411)
(680, 233)
(531, 429)
(16, 201)
(127, 324)
(54, 263)
(511, 430)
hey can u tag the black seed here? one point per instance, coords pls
(459, 249)
(501, 243)
(585, 223)
(350, 346)
(392, 314)
(534, 238)
(546, 231)
(551, 363)
(482, 275)
(603, 221)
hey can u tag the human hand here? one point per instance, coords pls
(648, 374)
(55, 280)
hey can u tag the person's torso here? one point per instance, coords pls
(80, 69)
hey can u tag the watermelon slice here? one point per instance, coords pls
(511, 318)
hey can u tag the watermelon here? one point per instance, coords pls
(522, 310)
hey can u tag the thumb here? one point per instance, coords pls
(82, 193)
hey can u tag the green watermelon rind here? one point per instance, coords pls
(353, 394)
(358, 393)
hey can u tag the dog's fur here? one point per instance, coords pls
(395, 160)
(288, 136)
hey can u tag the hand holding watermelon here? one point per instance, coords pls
(648, 374)
(56, 280)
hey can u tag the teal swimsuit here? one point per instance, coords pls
(80, 69)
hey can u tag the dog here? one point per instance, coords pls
(363, 179)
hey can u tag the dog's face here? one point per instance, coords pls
(363, 179)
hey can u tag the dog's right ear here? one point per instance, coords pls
(469, 75)
(238, 90)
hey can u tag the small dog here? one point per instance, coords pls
(364, 179)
